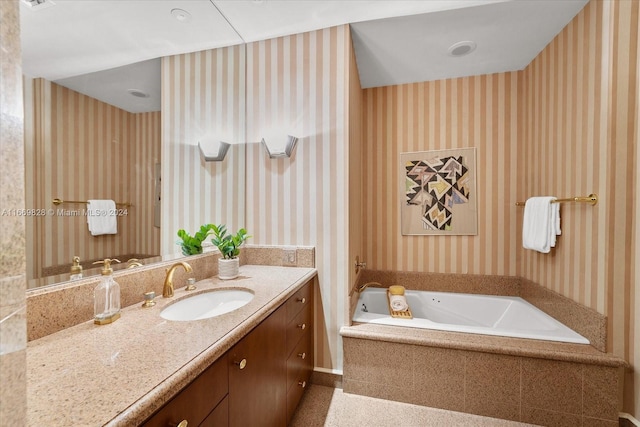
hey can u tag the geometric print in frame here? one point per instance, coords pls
(439, 192)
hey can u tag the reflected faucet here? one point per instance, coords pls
(134, 262)
(167, 290)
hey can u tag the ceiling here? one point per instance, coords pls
(72, 42)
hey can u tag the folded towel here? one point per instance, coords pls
(398, 302)
(541, 224)
(101, 217)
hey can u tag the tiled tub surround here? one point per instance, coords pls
(53, 308)
(121, 373)
(538, 382)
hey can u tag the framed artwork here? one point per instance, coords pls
(438, 194)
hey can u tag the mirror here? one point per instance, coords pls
(81, 145)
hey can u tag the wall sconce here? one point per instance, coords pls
(280, 151)
(216, 156)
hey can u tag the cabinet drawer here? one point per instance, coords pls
(299, 300)
(196, 400)
(219, 416)
(300, 326)
(294, 395)
(300, 362)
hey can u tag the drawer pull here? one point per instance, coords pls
(302, 355)
(183, 423)
(242, 364)
(302, 326)
(302, 384)
(302, 300)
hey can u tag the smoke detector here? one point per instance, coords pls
(462, 48)
(38, 4)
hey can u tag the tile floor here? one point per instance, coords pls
(327, 406)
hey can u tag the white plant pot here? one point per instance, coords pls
(228, 268)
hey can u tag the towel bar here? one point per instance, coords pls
(60, 201)
(592, 199)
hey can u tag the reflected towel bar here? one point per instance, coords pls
(60, 201)
(592, 199)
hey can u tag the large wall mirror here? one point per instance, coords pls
(117, 97)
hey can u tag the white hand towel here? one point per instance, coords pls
(398, 302)
(541, 224)
(101, 217)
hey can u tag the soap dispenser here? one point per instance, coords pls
(76, 269)
(106, 297)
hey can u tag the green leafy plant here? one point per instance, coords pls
(228, 244)
(192, 245)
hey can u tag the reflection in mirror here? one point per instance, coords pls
(82, 142)
(81, 148)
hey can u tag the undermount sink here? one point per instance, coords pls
(207, 304)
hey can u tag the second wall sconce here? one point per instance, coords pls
(279, 151)
(223, 147)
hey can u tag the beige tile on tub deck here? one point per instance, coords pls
(595, 422)
(600, 392)
(549, 418)
(389, 364)
(552, 385)
(439, 378)
(355, 359)
(492, 385)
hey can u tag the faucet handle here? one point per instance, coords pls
(148, 299)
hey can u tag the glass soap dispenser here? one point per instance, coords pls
(106, 296)
(76, 269)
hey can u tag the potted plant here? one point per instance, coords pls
(192, 245)
(229, 247)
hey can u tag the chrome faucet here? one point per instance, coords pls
(167, 290)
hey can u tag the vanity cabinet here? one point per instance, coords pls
(299, 341)
(259, 381)
(202, 403)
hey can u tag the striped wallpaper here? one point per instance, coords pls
(203, 98)
(480, 112)
(79, 148)
(581, 132)
(299, 84)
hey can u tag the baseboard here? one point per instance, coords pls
(628, 420)
(327, 377)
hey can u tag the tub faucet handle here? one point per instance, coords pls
(360, 265)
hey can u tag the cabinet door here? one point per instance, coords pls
(257, 375)
(196, 401)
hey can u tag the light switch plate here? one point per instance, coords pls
(289, 256)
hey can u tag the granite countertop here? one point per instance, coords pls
(120, 374)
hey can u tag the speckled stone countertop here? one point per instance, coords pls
(120, 374)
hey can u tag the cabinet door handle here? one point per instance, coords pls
(241, 364)
(302, 326)
(302, 300)
(302, 384)
(183, 423)
(302, 355)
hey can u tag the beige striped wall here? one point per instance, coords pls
(580, 123)
(301, 83)
(203, 96)
(480, 112)
(79, 148)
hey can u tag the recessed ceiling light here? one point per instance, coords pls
(181, 15)
(138, 93)
(462, 48)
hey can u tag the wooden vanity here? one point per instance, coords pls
(244, 368)
(259, 381)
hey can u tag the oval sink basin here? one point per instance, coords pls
(207, 304)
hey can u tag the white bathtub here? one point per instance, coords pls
(476, 314)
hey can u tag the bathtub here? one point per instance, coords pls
(476, 314)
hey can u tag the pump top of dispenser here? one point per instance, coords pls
(76, 268)
(106, 269)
